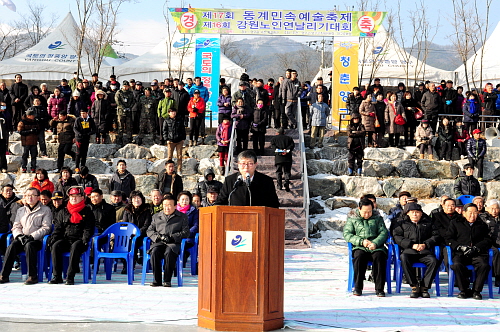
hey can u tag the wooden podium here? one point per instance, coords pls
(241, 268)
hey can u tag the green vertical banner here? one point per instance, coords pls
(207, 66)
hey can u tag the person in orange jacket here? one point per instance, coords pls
(41, 181)
(196, 108)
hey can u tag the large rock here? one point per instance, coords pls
(339, 167)
(338, 202)
(189, 166)
(134, 166)
(159, 151)
(6, 178)
(359, 186)
(493, 190)
(202, 151)
(315, 207)
(493, 154)
(491, 170)
(391, 186)
(48, 164)
(207, 163)
(130, 151)
(385, 204)
(146, 183)
(386, 154)
(96, 166)
(332, 153)
(16, 148)
(190, 182)
(420, 188)
(13, 163)
(157, 166)
(376, 169)
(103, 150)
(437, 169)
(23, 181)
(310, 154)
(320, 166)
(104, 181)
(15, 136)
(406, 168)
(443, 187)
(325, 186)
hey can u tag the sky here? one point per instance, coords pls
(142, 23)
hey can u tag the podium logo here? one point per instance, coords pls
(240, 241)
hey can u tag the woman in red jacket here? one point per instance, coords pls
(41, 181)
(196, 109)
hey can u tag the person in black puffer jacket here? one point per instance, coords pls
(202, 186)
(85, 180)
(355, 143)
(476, 150)
(467, 184)
(174, 133)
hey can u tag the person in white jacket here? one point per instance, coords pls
(33, 221)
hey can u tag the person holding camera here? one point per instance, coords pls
(166, 232)
(424, 136)
(33, 221)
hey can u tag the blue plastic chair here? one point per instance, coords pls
(350, 277)
(451, 273)
(146, 262)
(40, 254)
(125, 235)
(193, 255)
(422, 266)
(3, 235)
(465, 199)
(85, 257)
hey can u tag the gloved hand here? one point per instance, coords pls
(472, 252)
(78, 144)
(448, 102)
(166, 239)
(387, 124)
(34, 130)
(463, 249)
(255, 125)
(372, 114)
(19, 236)
(25, 239)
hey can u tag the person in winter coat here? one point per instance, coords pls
(196, 109)
(41, 181)
(73, 230)
(166, 232)
(29, 128)
(5, 130)
(76, 104)
(367, 233)
(468, 184)
(63, 125)
(148, 106)
(283, 146)
(431, 104)
(469, 239)
(33, 221)
(449, 98)
(318, 113)
(416, 238)
(355, 144)
(203, 91)
(65, 181)
(223, 136)
(424, 136)
(471, 111)
(476, 150)
(379, 106)
(460, 136)
(104, 213)
(125, 101)
(224, 103)
(169, 182)
(122, 179)
(354, 101)
(290, 91)
(212, 194)
(243, 115)
(492, 218)
(410, 107)
(86, 180)
(393, 109)
(258, 127)
(164, 105)
(489, 105)
(368, 117)
(445, 137)
(55, 105)
(9, 200)
(184, 205)
(209, 180)
(396, 213)
(43, 119)
(100, 111)
(18, 95)
(401, 91)
(35, 93)
(84, 127)
(174, 133)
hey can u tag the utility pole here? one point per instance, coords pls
(322, 65)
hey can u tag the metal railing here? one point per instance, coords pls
(303, 167)
(230, 157)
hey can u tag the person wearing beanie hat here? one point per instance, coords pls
(355, 144)
(467, 184)
(101, 112)
(125, 101)
(476, 150)
(84, 128)
(147, 106)
(29, 128)
(395, 213)
(416, 238)
(76, 104)
(85, 180)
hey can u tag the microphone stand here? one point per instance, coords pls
(234, 189)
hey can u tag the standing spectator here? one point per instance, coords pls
(84, 127)
(419, 93)
(65, 181)
(471, 111)
(224, 103)
(122, 179)
(377, 85)
(283, 147)
(245, 94)
(410, 107)
(164, 106)
(100, 111)
(185, 205)
(223, 136)
(63, 125)
(368, 117)
(148, 106)
(196, 108)
(43, 118)
(270, 104)
(489, 105)
(124, 102)
(380, 107)
(45, 92)
(104, 213)
(73, 230)
(174, 133)
(85, 179)
(476, 150)
(243, 115)
(29, 127)
(35, 94)
(169, 182)
(393, 109)
(424, 136)
(258, 127)
(354, 101)
(112, 82)
(74, 81)
(431, 104)
(401, 91)
(460, 101)
(396, 213)
(33, 221)
(461, 136)
(355, 144)
(209, 180)
(449, 98)
(182, 104)
(42, 182)
(291, 90)
(445, 137)
(279, 106)
(18, 95)
(65, 90)
(319, 112)
(136, 109)
(198, 85)
(5, 128)
(367, 233)
(56, 105)
(5, 98)
(468, 184)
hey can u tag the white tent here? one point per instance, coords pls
(491, 64)
(53, 58)
(382, 57)
(155, 63)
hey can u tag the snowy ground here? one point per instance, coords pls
(315, 299)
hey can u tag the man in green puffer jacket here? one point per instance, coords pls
(367, 233)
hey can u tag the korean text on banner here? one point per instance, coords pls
(277, 22)
(207, 67)
(344, 77)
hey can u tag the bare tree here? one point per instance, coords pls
(482, 26)
(35, 24)
(85, 10)
(230, 49)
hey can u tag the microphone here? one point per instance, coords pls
(238, 181)
(247, 180)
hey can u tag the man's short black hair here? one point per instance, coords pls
(365, 202)
(449, 199)
(168, 197)
(97, 191)
(170, 161)
(121, 161)
(7, 186)
(248, 154)
(368, 196)
(468, 205)
(46, 193)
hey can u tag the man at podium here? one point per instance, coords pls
(248, 187)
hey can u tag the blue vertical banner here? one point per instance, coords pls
(207, 66)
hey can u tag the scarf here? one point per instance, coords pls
(184, 209)
(224, 135)
(472, 107)
(74, 210)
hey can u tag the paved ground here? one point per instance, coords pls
(315, 299)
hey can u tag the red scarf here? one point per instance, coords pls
(74, 210)
(224, 135)
(183, 209)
